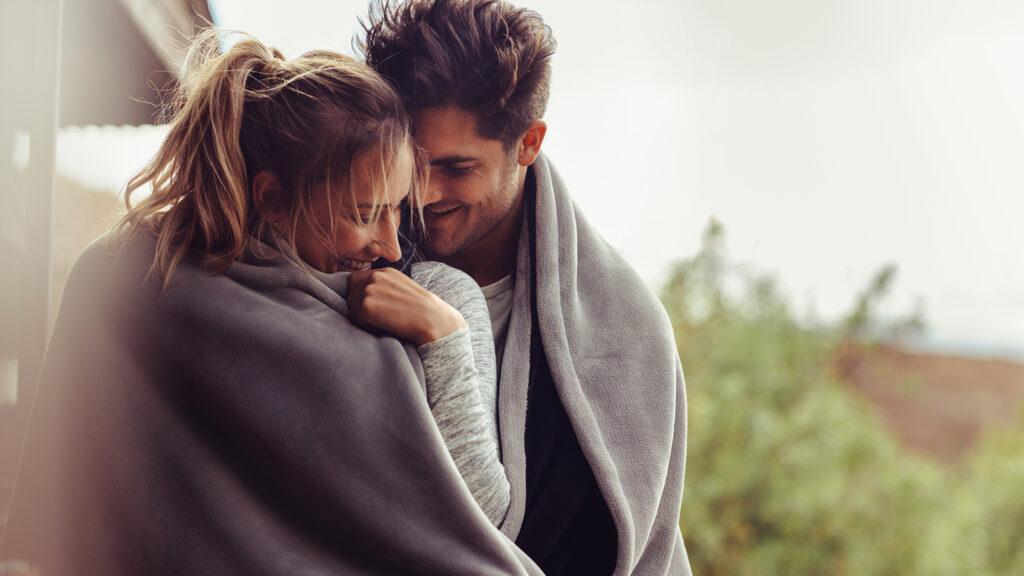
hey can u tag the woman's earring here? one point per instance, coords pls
(276, 226)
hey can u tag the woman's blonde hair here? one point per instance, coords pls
(248, 111)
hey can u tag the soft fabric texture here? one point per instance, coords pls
(459, 371)
(499, 305)
(236, 424)
(462, 292)
(463, 423)
(567, 528)
(611, 354)
(239, 424)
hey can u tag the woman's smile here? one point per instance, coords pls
(351, 265)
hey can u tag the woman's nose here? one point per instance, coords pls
(386, 245)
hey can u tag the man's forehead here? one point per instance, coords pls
(445, 123)
(450, 136)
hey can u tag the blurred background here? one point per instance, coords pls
(825, 193)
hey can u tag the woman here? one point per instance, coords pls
(208, 404)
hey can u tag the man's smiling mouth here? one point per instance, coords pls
(441, 212)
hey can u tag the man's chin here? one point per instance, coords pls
(436, 248)
(444, 238)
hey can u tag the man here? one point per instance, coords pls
(591, 401)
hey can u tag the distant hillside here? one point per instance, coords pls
(936, 404)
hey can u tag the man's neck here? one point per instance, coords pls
(494, 256)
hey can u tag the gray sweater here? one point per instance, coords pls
(459, 370)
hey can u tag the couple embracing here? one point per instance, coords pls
(358, 327)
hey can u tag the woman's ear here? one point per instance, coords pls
(529, 144)
(266, 192)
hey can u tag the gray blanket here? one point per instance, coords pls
(236, 424)
(612, 356)
(239, 424)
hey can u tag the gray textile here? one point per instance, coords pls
(236, 424)
(612, 356)
(499, 304)
(459, 371)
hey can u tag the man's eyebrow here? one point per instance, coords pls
(450, 160)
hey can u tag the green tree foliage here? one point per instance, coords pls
(789, 472)
(982, 530)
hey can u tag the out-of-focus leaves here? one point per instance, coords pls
(789, 472)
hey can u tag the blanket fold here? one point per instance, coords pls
(239, 423)
(612, 356)
(235, 424)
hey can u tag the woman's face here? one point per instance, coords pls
(358, 238)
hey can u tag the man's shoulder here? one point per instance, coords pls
(606, 271)
(604, 279)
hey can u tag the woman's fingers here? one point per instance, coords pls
(385, 299)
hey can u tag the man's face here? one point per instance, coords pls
(474, 184)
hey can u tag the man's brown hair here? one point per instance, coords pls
(486, 57)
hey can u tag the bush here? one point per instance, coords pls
(789, 472)
(981, 531)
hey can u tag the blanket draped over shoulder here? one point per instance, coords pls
(235, 424)
(612, 356)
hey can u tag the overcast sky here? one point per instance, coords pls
(830, 137)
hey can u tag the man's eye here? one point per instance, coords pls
(459, 169)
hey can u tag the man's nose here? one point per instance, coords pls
(433, 190)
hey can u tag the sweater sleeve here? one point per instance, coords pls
(454, 399)
(457, 368)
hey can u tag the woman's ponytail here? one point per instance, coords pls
(199, 200)
(249, 111)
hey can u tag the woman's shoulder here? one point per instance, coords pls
(117, 272)
(429, 274)
(108, 258)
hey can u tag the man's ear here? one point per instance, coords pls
(266, 192)
(529, 144)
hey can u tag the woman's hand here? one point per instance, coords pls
(387, 300)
